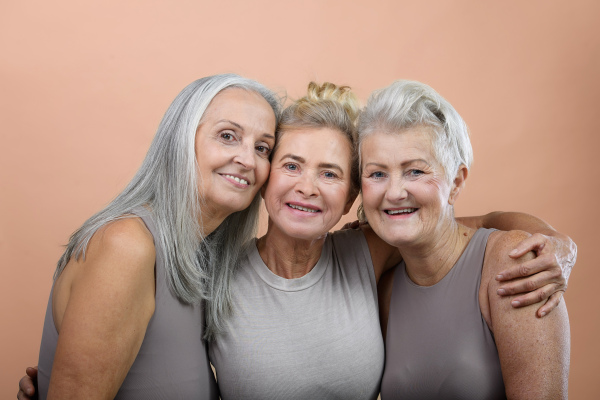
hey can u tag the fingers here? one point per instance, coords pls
(26, 388)
(534, 296)
(32, 372)
(551, 304)
(544, 262)
(529, 284)
(535, 242)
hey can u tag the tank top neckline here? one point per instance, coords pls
(472, 242)
(289, 285)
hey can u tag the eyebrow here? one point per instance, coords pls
(267, 135)
(303, 160)
(407, 162)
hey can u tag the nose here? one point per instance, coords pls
(246, 156)
(396, 190)
(306, 186)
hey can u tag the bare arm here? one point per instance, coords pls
(547, 274)
(101, 309)
(534, 352)
(383, 255)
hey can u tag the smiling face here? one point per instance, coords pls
(233, 143)
(406, 196)
(310, 186)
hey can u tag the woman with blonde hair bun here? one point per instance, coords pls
(301, 317)
(305, 320)
(296, 317)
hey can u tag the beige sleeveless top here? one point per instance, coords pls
(438, 346)
(172, 362)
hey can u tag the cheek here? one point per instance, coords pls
(370, 195)
(262, 172)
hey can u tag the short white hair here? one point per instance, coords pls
(408, 104)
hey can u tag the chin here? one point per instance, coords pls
(304, 234)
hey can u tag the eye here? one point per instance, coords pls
(291, 167)
(263, 149)
(227, 136)
(415, 172)
(329, 175)
(377, 175)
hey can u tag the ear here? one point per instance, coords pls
(351, 197)
(458, 183)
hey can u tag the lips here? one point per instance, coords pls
(305, 208)
(400, 211)
(240, 180)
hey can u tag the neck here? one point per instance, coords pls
(288, 257)
(427, 263)
(210, 220)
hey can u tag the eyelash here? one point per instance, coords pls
(266, 152)
(227, 133)
(377, 177)
(415, 172)
(262, 149)
(288, 165)
(334, 175)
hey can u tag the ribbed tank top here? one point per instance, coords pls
(314, 337)
(172, 362)
(438, 346)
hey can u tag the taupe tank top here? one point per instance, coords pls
(314, 337)
(438, 346)
(172, 362)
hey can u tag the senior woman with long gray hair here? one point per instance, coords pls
(300, 294)
(447, 333)
(124, 318)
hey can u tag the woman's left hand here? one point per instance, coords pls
(544, 277)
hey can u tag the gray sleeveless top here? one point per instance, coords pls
(438, 346)
(172, 362)
(315, 337)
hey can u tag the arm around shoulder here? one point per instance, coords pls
(383, 255)
(106, 303)
(534, 352)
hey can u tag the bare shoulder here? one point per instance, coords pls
(500, 244)
(121, 253)
(497, 259)
(127, 239)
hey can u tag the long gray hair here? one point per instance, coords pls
(197, 267)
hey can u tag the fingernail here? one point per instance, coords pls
(542, 313)
(512, 253)
(501, 292)
(499, 277)
(515, 303)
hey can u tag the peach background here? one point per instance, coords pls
(84, 85)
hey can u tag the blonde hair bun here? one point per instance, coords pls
(341, 95)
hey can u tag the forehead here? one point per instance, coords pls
(232, 102)
(318, 144)
(399, 144)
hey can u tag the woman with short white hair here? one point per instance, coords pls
(447, 332)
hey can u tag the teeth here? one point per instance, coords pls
(302, 208)
(404, 211)
(238, 180)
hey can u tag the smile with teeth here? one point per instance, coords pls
(296, 207)
(238, 180)
(403, 211)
